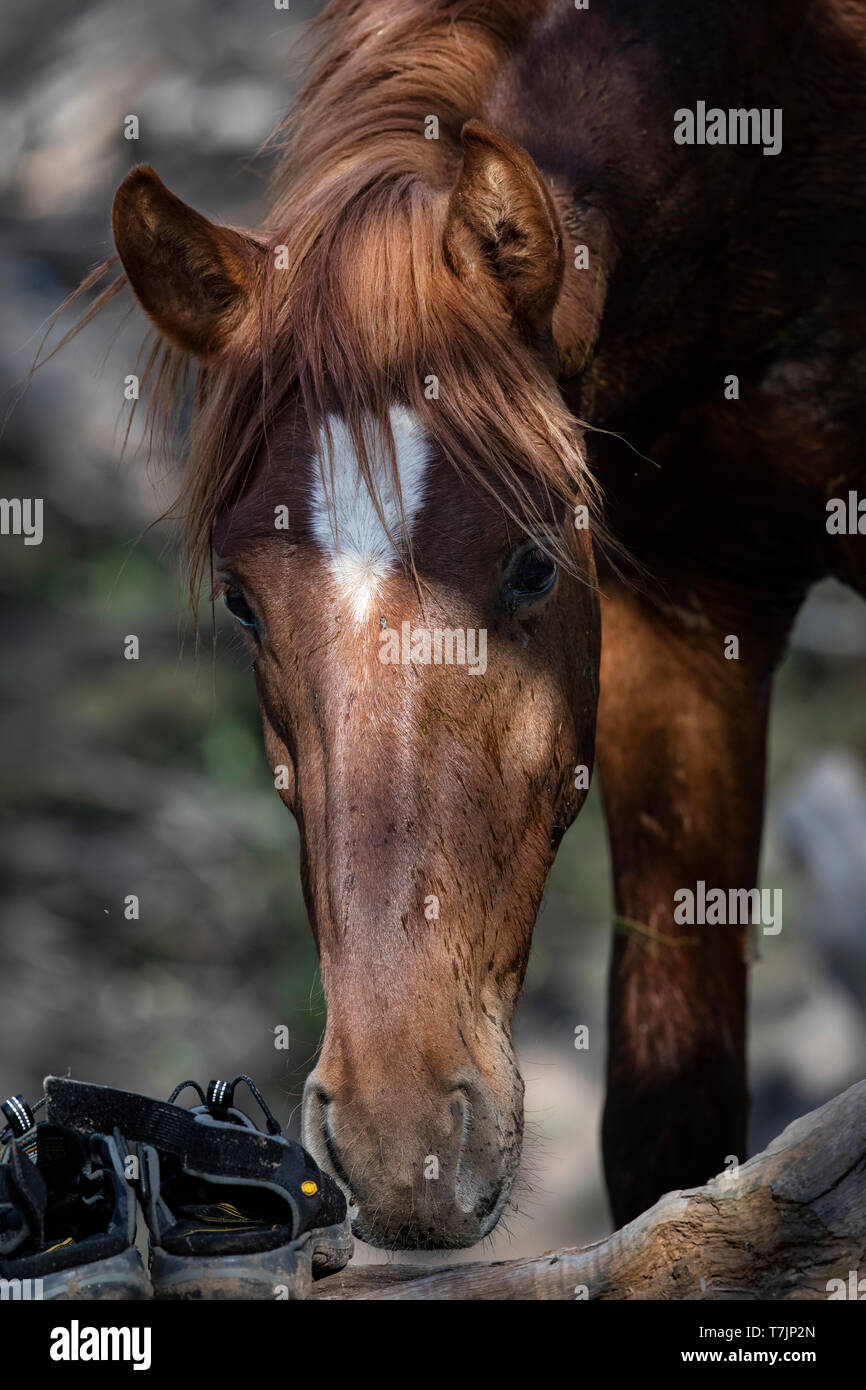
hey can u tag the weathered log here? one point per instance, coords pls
(780, 1227)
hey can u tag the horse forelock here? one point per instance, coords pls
(366, 314)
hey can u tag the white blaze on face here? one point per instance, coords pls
(345, 521)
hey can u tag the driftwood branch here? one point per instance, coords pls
(781, 1227)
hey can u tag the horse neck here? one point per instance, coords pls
(591, 95)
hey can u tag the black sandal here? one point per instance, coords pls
(67, 1212)
(233, 1212)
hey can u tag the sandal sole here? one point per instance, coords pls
(122, 1277)
(287, 1273)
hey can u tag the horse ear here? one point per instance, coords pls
(193, 278)
(502, 223)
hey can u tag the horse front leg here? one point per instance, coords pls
(681, 752)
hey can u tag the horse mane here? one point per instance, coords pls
(368, 310)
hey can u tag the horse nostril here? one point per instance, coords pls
(317, 1130)
(461, 1098)
(333, 1152)
(461, 1105)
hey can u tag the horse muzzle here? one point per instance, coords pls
(424, 1164)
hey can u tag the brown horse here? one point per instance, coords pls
(493, 223)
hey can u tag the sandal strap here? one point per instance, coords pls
(206, 1147)
(193, 1139)
(23, 1199)
(19, 1115)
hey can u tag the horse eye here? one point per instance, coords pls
(531, 574)
(237, 604)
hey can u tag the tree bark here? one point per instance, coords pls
(780, 1227)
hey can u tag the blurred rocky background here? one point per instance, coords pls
(147, 777)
